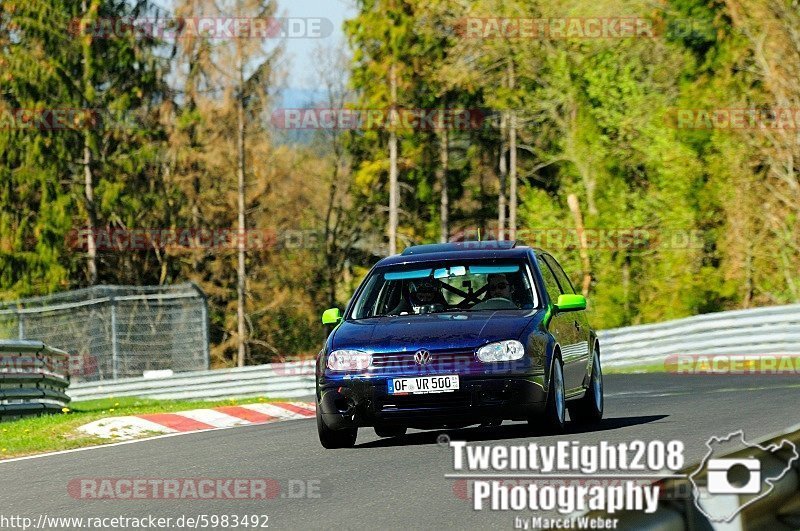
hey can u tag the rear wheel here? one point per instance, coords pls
(589, 409)
(331, 439)
(390, 431)
(555, 412)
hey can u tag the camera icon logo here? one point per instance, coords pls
(734, 476)
(728, 481)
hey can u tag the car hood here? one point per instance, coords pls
(444, 331)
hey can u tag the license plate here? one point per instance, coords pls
(423, 385)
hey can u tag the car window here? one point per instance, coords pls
(446, 286)
(550, 283)
(561, 276)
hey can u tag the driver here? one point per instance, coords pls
(422, 294)
(425, 294)
(498, 286)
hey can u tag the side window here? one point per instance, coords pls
(563, 280)
(550, 283)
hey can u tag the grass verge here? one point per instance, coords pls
(637, 369)
(50, 433)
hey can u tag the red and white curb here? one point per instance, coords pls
(130, 427)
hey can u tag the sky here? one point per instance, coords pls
(300, 86)
(299, 52)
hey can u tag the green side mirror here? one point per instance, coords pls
(570, 303)
(331, 316)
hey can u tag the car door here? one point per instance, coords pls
(563, 329)
(579, 319)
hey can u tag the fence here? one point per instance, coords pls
(773, 330)
(114, 332)
(33, 379)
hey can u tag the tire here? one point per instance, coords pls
(589, 409)
(390, 431)
(332, 439)
(555, 411)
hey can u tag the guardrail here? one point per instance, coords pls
(777, 509)
(774, 330)
(33, 379)
(759, 331)
(279, 380)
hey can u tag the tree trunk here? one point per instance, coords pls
(512, 173)
(331, 235)
(512, 176)
(91, 214)
(89, 12)
(626, 288)
(501, 199)
(444, 207)
(572, 201)
(393, 187)
(241, 271)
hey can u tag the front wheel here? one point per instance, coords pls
(589, 409)
(555, 416)
(331, 439)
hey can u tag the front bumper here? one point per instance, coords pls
(366, 402)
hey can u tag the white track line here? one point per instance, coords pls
(122, 443)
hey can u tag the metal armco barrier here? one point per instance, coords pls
(778, 509)
(33, 379)
(773, 330)
(279, 380)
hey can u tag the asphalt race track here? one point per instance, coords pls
(388, 483)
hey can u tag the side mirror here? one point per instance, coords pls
(570, 303)
(331, 316)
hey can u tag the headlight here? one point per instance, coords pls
(349, 360)
(501, 351)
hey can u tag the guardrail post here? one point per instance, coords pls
(204, 325)
(114, 345)
(205, 336)
(20, 325)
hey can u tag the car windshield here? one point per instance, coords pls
(438, 287)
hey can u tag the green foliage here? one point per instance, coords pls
(595, 119)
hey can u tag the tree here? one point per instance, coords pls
(381, 35)
(59, 61)
(238, 72)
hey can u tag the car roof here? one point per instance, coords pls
(458, 251)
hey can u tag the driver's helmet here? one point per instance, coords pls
(424, 293)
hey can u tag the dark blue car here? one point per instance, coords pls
(458, 334)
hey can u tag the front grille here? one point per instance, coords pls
(439, 362)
